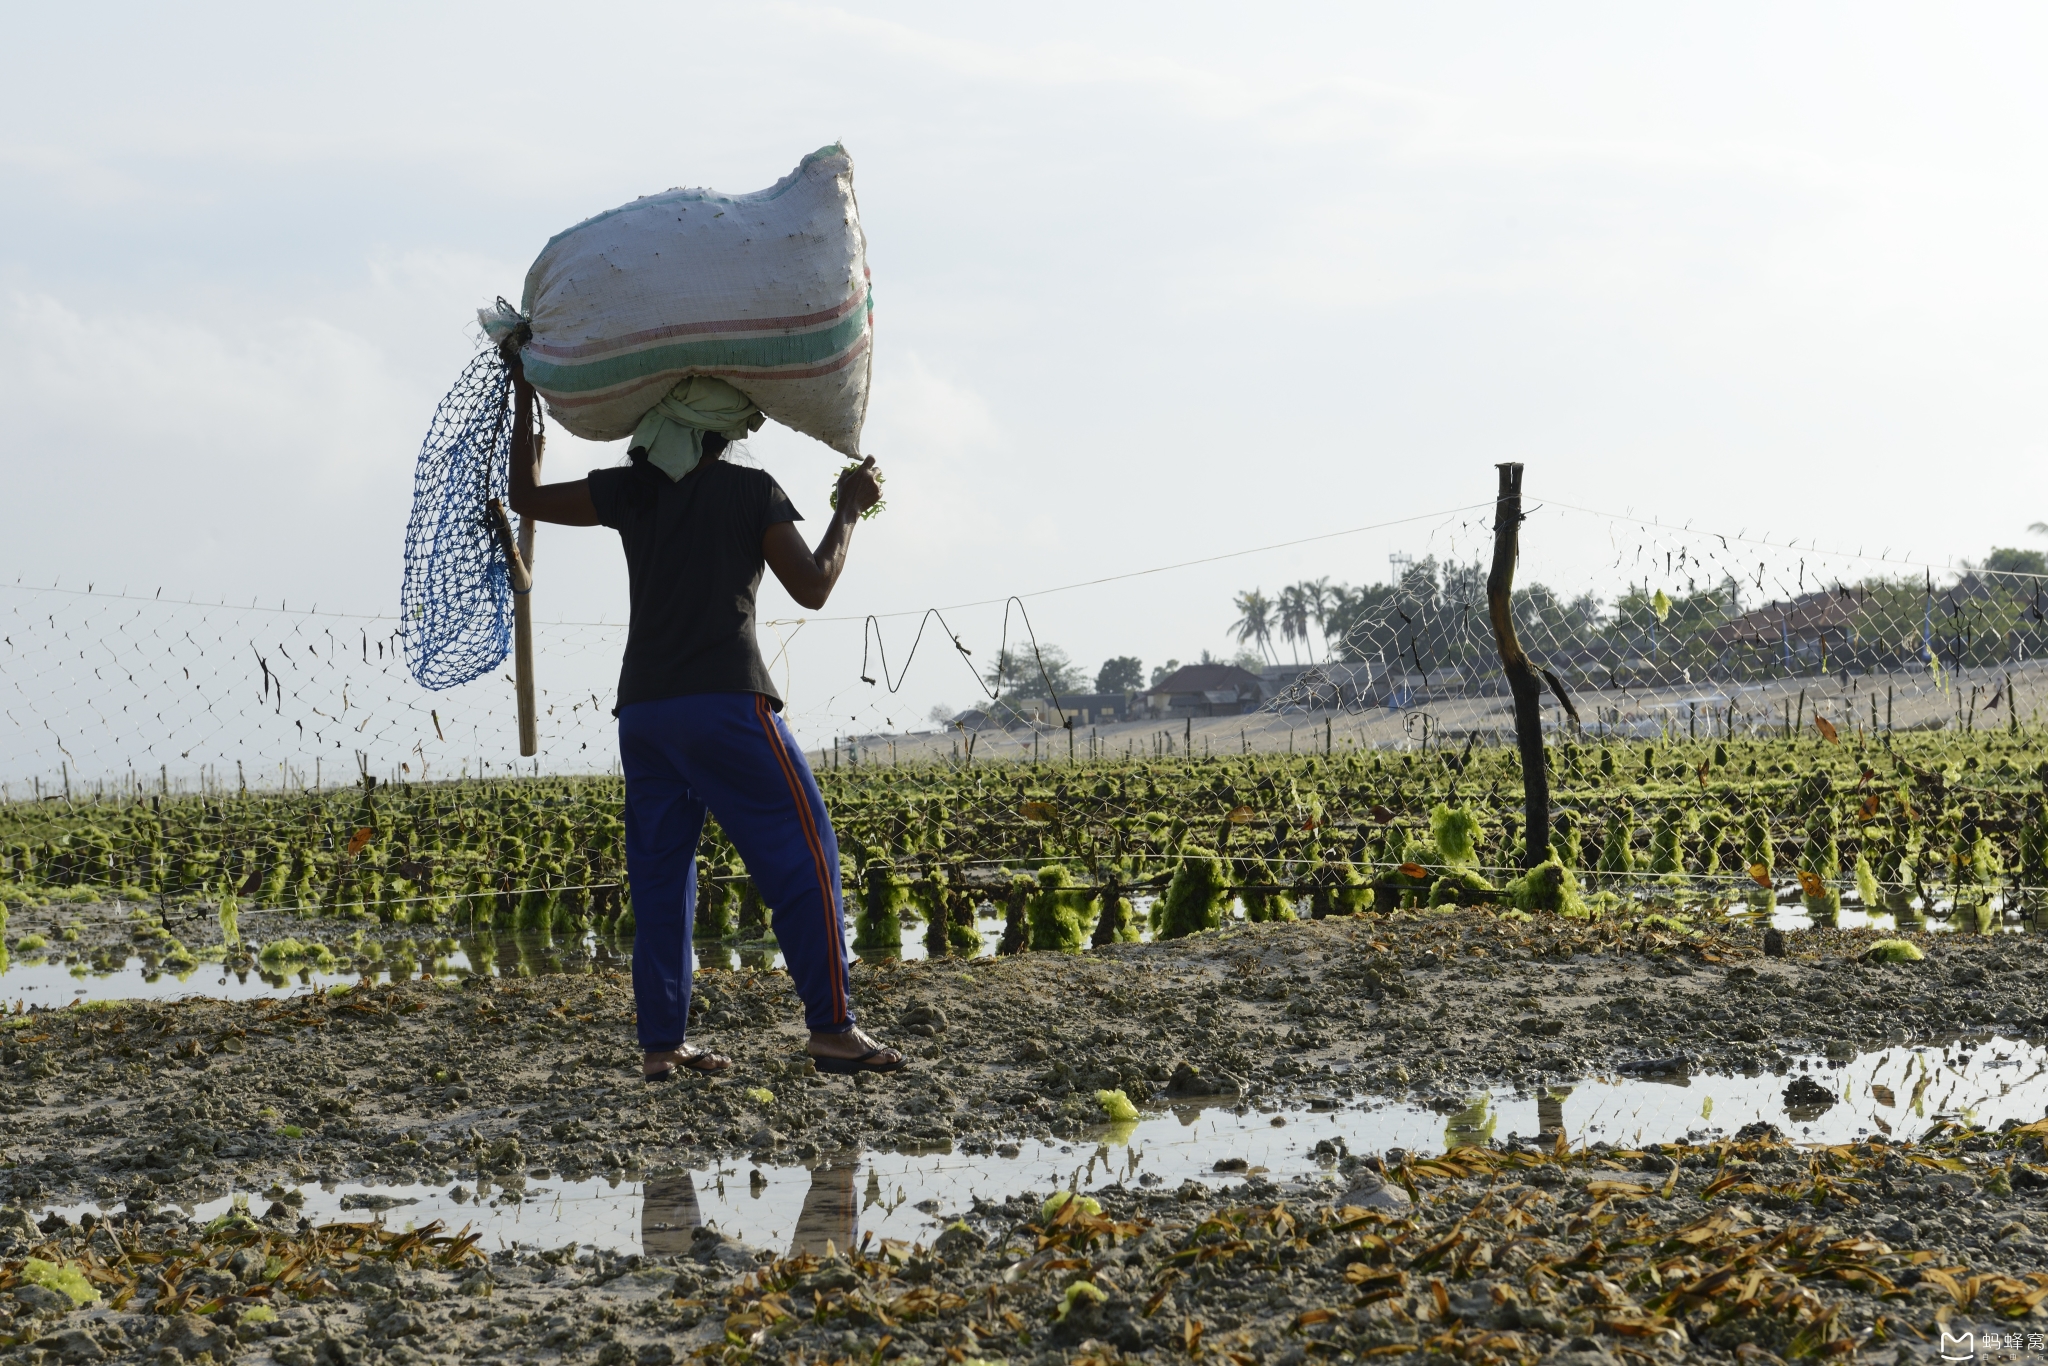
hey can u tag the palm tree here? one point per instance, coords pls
(1322, 599)
(1294, 613)
(1254, 624)
(1345, 605)
(2038, 528)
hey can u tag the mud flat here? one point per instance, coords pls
(334, 1115)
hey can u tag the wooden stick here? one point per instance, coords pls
(515, 563)
(518, 563)
(1523, 683)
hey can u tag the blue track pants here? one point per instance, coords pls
(728, 752)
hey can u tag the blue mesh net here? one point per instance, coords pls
(457, 596)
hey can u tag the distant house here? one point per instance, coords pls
(1204, 690)
(1805, 620)
(1085, 708)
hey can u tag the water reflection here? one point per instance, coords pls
(905, 1195)
(827, 1221)
(276, 965)
(830, 1219)
(1472, 1126)
(669, 1214)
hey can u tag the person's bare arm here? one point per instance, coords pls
(810, 574)
(567, 503)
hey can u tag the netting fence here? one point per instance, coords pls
(1665, 632)
(1688, 633)
(109, 694)
(1733, 722)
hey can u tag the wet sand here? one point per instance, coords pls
(510, 1081)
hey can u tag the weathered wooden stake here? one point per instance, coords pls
(522, 648)
(517, 547)
(529, 434)
(1524, 683)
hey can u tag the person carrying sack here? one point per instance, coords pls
(700, 727)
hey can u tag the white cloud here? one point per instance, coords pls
(1154, 282)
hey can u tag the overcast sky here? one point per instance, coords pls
(1152, 283)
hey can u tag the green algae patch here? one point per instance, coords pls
(1058, 1199)
(61, 1276)
(1549, 886)
(1893, 951)
(1076, 1294)
(1116, 1105)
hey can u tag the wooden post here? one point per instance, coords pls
(1107, 923)
(522, 648)
(516, 548)
(529, 434)
(1523, 681)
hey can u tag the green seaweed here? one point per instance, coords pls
(1456, 834)
(1194, 899)
(1549, 886)
(1893, 951)
(1056, 911)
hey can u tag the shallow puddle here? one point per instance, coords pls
(904, 1195)
(51, 981)
(48, 979)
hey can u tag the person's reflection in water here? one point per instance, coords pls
(830, 1213)
(1550, 1113)
(668, 1213)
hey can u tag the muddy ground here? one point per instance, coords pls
(1743, 1251)
(144, 1106)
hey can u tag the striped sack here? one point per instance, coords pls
(768, 291)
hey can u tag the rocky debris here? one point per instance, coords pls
(1188, 1080)
(191, 1336)
(40, 1301)
(77, 1345)
(1504, 1254)
(372, 1201)
(1806, 1098)
(1677, 1065)
(1510, 1253)
(1367, 1189)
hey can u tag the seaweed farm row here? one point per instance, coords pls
(1942, 826)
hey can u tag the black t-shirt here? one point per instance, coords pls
(693, 563)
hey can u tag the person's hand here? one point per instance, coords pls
(515, 364)
(860, 488)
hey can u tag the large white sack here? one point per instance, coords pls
(768, 291)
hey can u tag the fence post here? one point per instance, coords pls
(1523, 683)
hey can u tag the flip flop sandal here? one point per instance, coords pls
(703, 1064)
(846, 1067)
